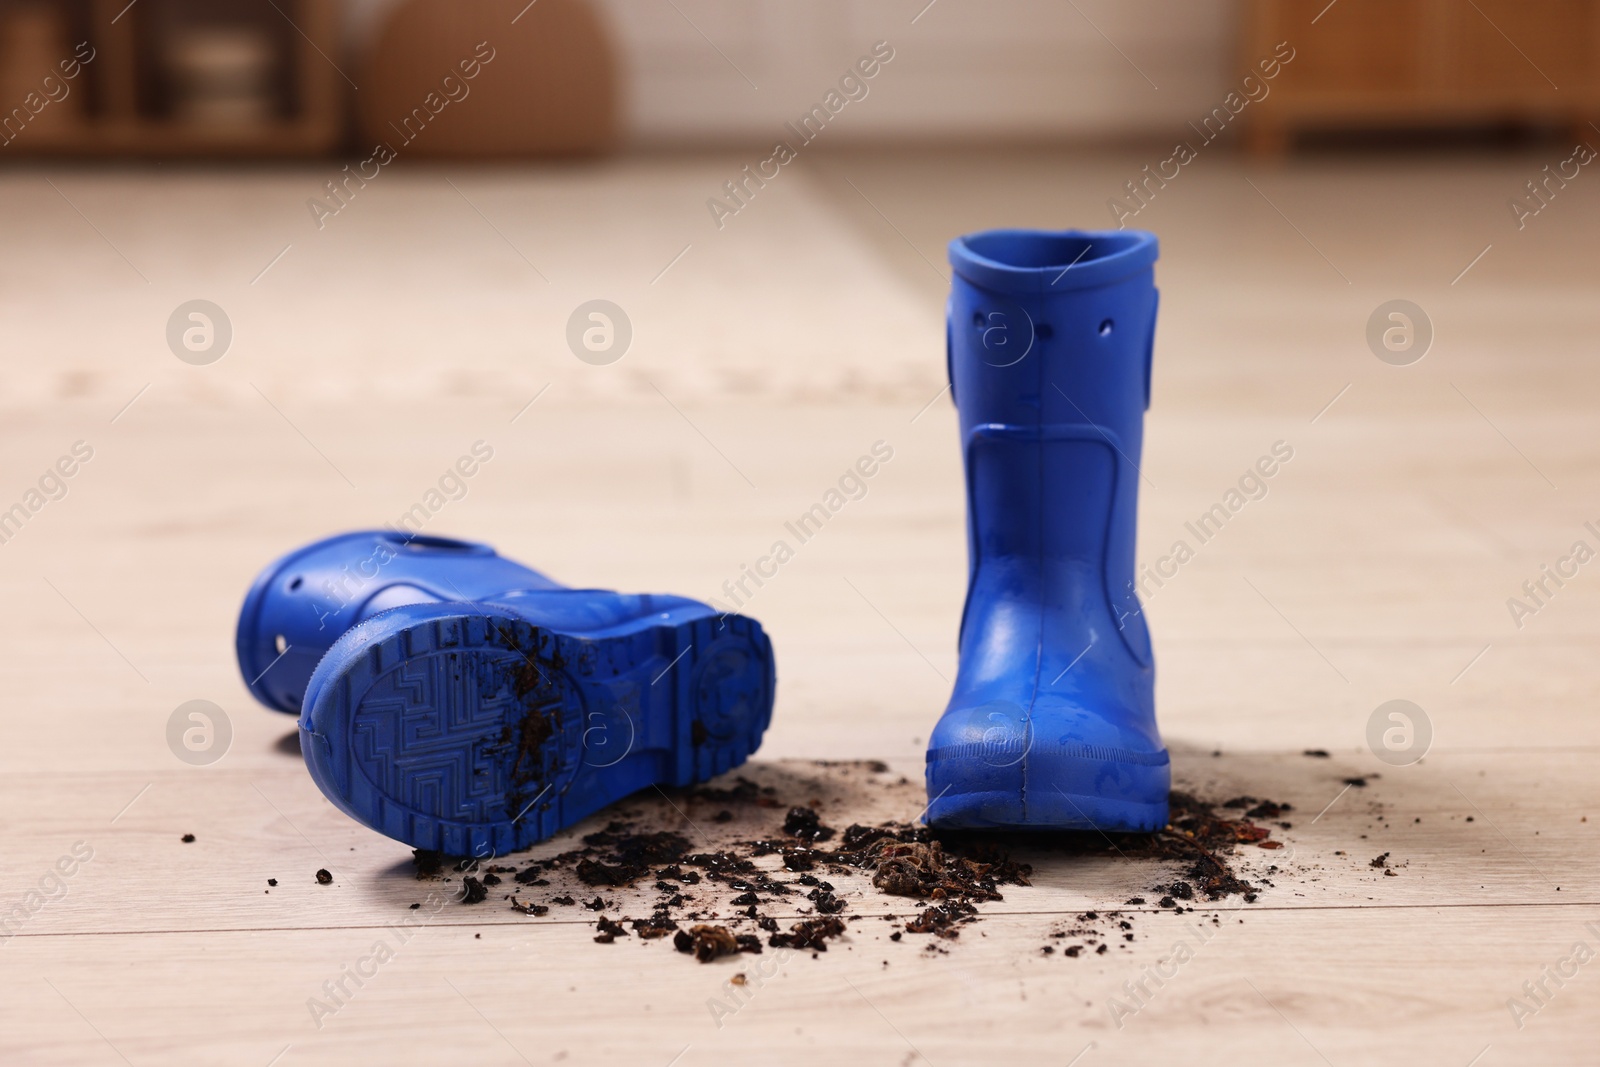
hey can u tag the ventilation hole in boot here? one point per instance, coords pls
(977, 318)
(1043, 331)
(296, 584)
(280, 643)
(1105, 328)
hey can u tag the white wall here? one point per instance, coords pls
(1011, 68)
(966, 68)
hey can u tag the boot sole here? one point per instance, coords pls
(1030, 789)
(474, 732)
(1006, 811)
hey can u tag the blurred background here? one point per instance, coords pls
(303, 78)
(281, 262)
(668, 269)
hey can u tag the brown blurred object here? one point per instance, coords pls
(550, 88)
(221, 77)
(1391, 63)
(240, 78)
(33, 41)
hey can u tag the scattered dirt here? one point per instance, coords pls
(749, 862)
(323, 877)
(1382, 863)
(188, 839)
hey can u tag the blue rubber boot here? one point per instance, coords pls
(1052, 721)
(300, 604)
(464, 703)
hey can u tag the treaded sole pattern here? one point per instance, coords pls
(478, 733)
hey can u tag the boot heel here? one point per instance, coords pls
(730, 680)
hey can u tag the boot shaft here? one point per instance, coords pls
(1050, 342)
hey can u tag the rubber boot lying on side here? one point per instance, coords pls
(1052, 721)
(455, 700)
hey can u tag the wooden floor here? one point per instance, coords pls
(431, 312)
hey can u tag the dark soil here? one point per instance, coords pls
(537, 689)
(773, 873)
(706, 943)
(806, 824)
(428, 863)
(811, 934)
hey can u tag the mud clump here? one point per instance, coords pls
(822, 896)
(799, 860)
(806, 824)
(922, 869)
(944, 920)
(813, 934)
(658, 925)
(707, 943)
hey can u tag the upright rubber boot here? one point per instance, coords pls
(1052, 721)
(465, 703)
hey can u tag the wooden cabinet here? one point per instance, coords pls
(1366, 63)
(124, 98)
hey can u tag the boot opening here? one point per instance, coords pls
(428, 543)
(1034, 250)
